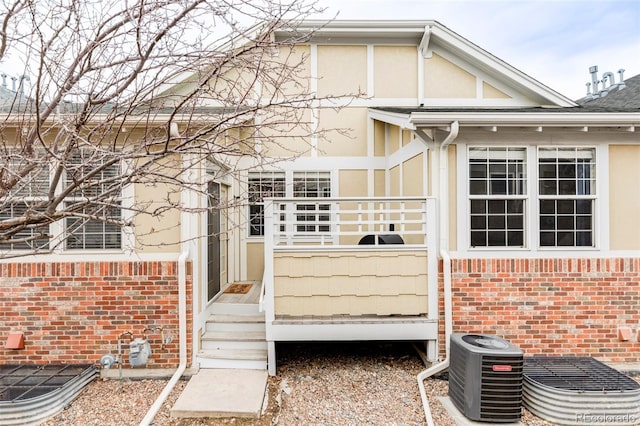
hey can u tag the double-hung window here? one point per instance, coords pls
(306, 218)
(566, 181)
(311, 218)
(499, 188)
(497, 196)
(25, 199)
(263, 185)
(96, 202)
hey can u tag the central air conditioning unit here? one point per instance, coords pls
(485, 378)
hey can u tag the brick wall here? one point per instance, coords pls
(551, 306)
(73, 312)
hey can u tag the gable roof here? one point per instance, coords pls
(427, 34)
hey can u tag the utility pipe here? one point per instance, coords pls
(182, 330)
(443, 186)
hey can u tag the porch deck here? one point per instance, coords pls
(350, 269)
(252, 297)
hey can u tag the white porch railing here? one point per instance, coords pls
(348, 222)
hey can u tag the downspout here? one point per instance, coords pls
(443, 185)
(182, 330)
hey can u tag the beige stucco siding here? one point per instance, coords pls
(395, 71)
(342, 70)
(394, 138)
(379, 178)
(394, 181)
(255, 260)
(443, 79)
(413, 176)
(407, 137)
(353, 121)
(353, 183)
(490, 92)
(350, 283)
(624, 193)
(159, 234)
(286, 133)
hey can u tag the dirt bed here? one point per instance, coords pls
(317, 384)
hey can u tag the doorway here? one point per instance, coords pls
(213, 240)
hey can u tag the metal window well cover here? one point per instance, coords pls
(578, 391)
(30, 394)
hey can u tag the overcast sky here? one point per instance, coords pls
(553, 41)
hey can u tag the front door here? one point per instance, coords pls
(213, 241)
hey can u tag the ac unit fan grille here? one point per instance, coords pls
(501, 391)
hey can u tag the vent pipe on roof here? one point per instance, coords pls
(4, 79)
(621, 84)
(606, 77)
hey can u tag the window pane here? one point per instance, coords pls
(477, 171)
(497, 222)
(515, 206)
(478, 239)
(547, 239)
(497, 171)
(478, 206)
(28, 237)
(565, 239)
(262, 185)
(496, 206)
(566, 221)
(478, 187)
(85, 234)
(497, 239)
(515, 222)
(565, 206)
(312, 185)
(567, 187)
(547, 222)
(478, 222)
(515, 238)
(547, 207)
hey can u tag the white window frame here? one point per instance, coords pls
(58, 229)
(532, 231)
(289, 176)
(67, 235)
(524, 196)
(593, 197)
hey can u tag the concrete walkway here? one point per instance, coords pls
(222, 393)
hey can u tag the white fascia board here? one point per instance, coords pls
(470, 118)
(398, 119)
(485, 60)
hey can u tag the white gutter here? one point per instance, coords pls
(182, 330)
(446, 267)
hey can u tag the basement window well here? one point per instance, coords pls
(31, 393)
(579, 390)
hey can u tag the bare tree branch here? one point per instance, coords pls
(120, 94)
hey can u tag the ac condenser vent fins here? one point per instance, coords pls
(485, 378)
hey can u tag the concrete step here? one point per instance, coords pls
(237, 323)
(239, 354)
(216, 340)
(222, 393)
(235, 309)
(255, 318)
(255, 359)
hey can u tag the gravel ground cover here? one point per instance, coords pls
(317, 384)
